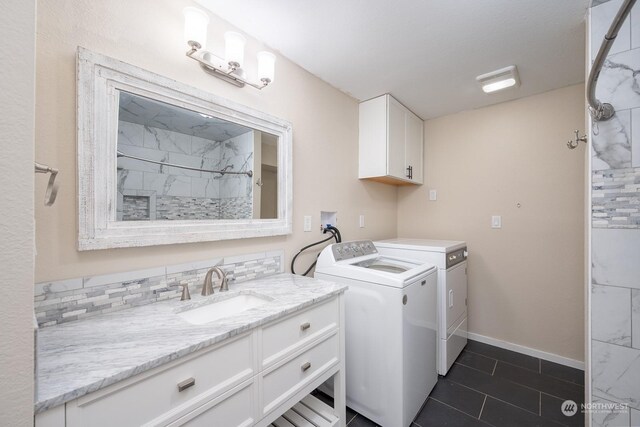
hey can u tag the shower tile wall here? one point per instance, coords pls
(615, 254)
(151, 191)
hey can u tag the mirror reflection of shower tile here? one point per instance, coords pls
(231, 186)
(167, 185)
(240, 144)
(612, 145)
(203, 187)
(130, 180)
(201, 147)
(130, 133)
(184, 160)
(166, 140)
(145, 153)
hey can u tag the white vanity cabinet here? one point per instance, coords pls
(391, 142)
(250, 379)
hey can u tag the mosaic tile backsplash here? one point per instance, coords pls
(73, 299)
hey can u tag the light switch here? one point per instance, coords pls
(307, 223)
(433, 194)
(496, 221)
(361, 221)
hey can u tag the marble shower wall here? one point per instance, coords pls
(615, 242)
(150, 191)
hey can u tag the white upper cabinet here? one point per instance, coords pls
(391, 141)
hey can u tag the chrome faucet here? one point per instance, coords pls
(207, 288)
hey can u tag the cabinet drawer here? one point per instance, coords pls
(280, 383)
(153, 398)
(232, 409)
(287, 335)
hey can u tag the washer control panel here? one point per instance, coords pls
(348, 250)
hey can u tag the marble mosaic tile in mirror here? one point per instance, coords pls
(170, 135)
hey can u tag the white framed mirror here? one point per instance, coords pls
(161, 162)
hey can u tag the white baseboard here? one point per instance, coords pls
(528, 351)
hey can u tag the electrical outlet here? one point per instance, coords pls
(361, 221)
(496, 221)
(307, 223)
(433, 194)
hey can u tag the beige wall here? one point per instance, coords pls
(526, 279)
(17, 42)
(149, 34)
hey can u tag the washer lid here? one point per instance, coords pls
(387, 265)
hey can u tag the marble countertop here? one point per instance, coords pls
(80, 357)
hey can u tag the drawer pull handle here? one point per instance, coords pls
(305, 366)
(183, 385)
(305, 326)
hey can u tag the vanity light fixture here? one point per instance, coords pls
(500, 79)
(228, 68)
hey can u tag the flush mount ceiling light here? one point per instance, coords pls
(500, 79)
(228, 68)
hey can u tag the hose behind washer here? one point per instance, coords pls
(335, 234)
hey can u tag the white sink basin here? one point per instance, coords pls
(223, 308)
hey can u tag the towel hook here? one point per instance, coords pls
(52, 186)
(575, 142)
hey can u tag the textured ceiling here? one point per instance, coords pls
(426, 53)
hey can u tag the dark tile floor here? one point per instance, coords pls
(490, 386)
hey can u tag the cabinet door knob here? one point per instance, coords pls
(183, 385)
(305, 366)
(305, 326)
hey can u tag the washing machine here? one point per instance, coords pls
(390, 330)
(450, 256)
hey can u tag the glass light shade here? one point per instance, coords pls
(266, 66)
(195, 25)
(234, 48)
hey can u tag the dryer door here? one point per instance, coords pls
(456, 294)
